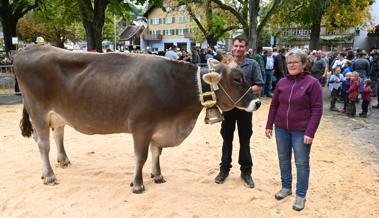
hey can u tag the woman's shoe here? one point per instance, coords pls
(284, 192)
(299, 203)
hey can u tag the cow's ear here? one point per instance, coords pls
(212, 78)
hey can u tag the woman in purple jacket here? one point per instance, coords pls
(296, 110)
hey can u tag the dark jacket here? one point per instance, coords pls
(362, 66)
(297, 104)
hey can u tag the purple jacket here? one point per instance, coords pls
(297, 104)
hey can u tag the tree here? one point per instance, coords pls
(247, 13)
(213, 23)
(333, 14)
(55, 22)
(10, 12)
(92, 13)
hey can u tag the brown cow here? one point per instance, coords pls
(154, 99)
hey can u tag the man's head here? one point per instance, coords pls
(239, 46)
(318, 54)
(269, 52)
(173, 48)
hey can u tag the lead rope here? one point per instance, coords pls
(230, 98)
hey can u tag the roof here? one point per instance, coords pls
(130, 31)
(149, 10)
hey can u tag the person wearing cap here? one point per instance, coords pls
(40, 40)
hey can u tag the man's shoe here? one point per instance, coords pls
(299, 203)
(247, 180)
(220, 178)
(363, 115)
(284, 192)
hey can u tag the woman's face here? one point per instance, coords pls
(294, 65)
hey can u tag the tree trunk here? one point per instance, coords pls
(314, 43)
(253, 17)
(212, 41)
(9, 28)
(93, 22)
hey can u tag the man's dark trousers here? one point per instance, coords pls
(244, 123)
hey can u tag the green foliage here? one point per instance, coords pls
(57, 23)
(334, 13)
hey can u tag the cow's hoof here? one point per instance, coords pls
(49, 180)
(138, 189)
(64, 163)
(159, 179)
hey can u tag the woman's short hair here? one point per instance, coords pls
(299, 53)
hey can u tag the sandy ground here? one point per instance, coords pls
(344, 175)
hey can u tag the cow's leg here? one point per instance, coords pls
(141, 149)
(61, 156)
(156, 168)
(42, 137)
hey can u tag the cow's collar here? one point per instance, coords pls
(207, 98)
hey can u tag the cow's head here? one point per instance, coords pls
(233, 88)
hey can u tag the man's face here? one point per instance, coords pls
(239, 48)
(269, 52)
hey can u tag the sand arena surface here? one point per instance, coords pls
(344, 178)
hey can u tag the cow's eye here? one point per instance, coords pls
(237, 81)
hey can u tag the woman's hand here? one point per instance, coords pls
(268, 133)
(308, 140)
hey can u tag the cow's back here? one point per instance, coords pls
(106, 92)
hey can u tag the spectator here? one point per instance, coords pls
(366, 97)
(171, 54)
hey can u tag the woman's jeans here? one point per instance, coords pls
(286, 141)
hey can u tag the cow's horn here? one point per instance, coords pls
(212, 62)
(212, 78)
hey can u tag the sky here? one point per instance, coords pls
(375, 11)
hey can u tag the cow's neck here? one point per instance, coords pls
(207, 96)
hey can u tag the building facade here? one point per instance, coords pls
(299, 37)
(167, 28)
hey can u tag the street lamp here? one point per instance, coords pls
(115, 31)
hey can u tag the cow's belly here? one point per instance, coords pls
(170, 134)
(84, 126)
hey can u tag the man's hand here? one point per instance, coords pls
(256, 89)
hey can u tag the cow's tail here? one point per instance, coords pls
(25, 124)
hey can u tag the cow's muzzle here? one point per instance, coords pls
(253, 105)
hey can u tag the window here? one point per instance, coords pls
(169, 20)
(155, 32)
(155, 21)
(180, 32)
(169, 32)
(182, 19)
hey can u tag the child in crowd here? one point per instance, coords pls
(352, 94)
(344, 87)
(366, 97)
(335, 83)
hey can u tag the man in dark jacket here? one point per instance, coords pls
(280, 67)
